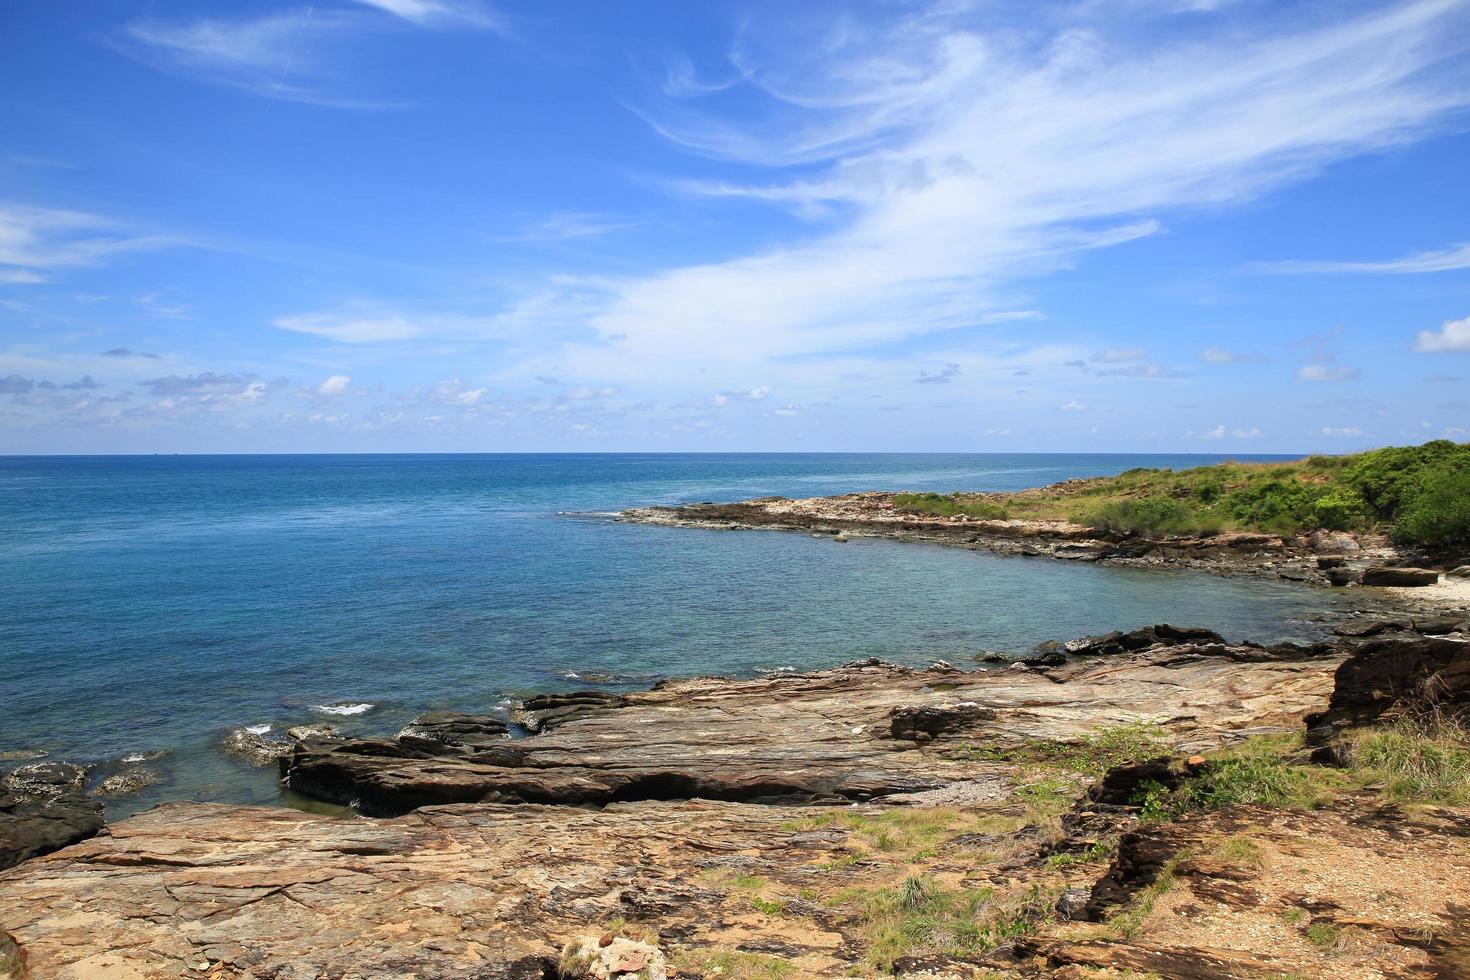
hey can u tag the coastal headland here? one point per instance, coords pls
(1162, 802)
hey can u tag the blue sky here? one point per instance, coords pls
(392, 225)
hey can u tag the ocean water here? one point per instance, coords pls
(155, 603)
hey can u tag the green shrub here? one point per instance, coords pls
(1255, 772)
(943, 505)
(1435, 509)
(1150, 515)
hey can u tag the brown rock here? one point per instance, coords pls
(844, 734)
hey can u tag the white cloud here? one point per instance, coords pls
(34, 240)
(1218, 355)
(1326, 372)
(564, 225)
(336, 385)
(944, 162)
(1347, 430)
(1075, 406)
(1452, 335)
(1218, 432)
(1443, 260)
(281, 55)
(438, 13)
(349, 329)
(1120, 355)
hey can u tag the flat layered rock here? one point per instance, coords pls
(485, 892)
(854, 733)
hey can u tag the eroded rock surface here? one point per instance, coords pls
(483, 891)
(859, 732)
(1356, 889)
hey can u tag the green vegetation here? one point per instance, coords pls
(1125, 924)
(1416, 759)
(922, 916)
(731, 963)
(1120, 745)
(767, 906)
(1421, 494)
(1257, 771)
(940, 505)
(1413, 760)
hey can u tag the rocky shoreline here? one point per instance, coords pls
(865, 819)
(1333, 558)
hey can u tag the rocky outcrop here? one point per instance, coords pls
(42, 809)
(1388, 676)
(256, 748)
(484, 892)
(1356, 889)
(1384, 575)
(858, 732)
(874, 514)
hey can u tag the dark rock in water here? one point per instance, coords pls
(993, 657)
(42, 809)
(128, 781)
(1439, 625)
(1389, 676)
(255, 748)
(40, 779)
(1049, 658)
(300, 733)
(450, 733)
(1341, 576)
(924, 722)
(1325, 563)
(21, 755)
(1161, 634)
(1372, 627)
(1383, 575)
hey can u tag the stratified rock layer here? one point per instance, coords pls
(205, 890)
(859, 732)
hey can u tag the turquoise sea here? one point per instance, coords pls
(154, 603)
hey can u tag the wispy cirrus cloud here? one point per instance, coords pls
(282, 55)
(1443, 260)
(35, 241)
(564, 225)
(944, 162)
(441, 13)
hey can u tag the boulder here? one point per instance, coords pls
(1385, 576)
(1325, 562)
(925, 722)
(1333, 541)
(1462, 571)
(1388, 676)
(619, 957)
(128, 781)
(1341, 576)
(1116, 642)
(254, 747)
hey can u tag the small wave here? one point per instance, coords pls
(788, 669)
(360, 708)
(255, 730)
